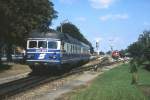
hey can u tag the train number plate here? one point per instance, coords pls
(41, 50)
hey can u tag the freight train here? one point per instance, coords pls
(53, 50)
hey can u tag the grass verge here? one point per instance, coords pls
(115, 85)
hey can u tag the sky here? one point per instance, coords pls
(116, 23)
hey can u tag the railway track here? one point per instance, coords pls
(14, 87)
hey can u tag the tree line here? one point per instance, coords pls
(140, 50)
(140, 53)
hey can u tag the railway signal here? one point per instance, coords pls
(97, 46)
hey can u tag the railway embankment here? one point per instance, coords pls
(16, 71)
(53, 89)
(115, 84)
(30, 89)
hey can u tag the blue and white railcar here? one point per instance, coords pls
(55, 49)
(44, 51)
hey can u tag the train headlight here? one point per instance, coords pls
(50, 57)
(53, 56)
(30, 56)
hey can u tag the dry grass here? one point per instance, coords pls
(68, 95)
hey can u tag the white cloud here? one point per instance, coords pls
(116, 42)
(104, 18)
(114, 39)
(98, 39)
(81, 19)
(106, 42)
(101, 4)
(122, 16)
(114, 17)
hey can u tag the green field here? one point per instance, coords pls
(115, 85)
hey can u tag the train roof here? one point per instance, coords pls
(55, 36)
(48, 34)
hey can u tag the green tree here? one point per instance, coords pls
(140, 52)
(123, 53)
(71, 29)
(101, 53)
(19, 17)
(140, 49)
(108, 52)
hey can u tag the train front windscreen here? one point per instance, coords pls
(42, 44)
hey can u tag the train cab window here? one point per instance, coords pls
(52, 45)
(65, 47)
(32, 44)
(42, 44)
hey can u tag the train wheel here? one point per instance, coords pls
(36, 70)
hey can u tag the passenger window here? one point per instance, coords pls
(71, 49)
(65, 47)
